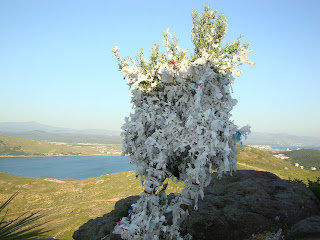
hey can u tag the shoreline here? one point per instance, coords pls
(282, 148)
(62, 179)
(8, 156)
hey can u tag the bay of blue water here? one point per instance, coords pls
(294, 147)
(74, 167)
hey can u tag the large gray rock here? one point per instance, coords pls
(307, 229)
(234, 207)
(249, 202)
(95, 229)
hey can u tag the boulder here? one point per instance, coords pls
(98, 228)
(234, 207)
(307, 229)
(249, 203)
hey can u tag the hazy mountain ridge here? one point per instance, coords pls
(35, 126)
(278, 139)
(42, 132)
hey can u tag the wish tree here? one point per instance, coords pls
(180, 127)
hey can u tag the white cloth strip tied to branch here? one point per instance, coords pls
(180, 127)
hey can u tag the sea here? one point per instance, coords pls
(294, 147)
(65, 167)
(77, 167)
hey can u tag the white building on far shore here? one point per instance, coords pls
(281, 156)
(262, 147)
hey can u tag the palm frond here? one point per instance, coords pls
(23, 227)
(6, 203)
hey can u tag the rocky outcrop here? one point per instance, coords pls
(95, 229)
(307, 229)
(249, 202)
(234, 207)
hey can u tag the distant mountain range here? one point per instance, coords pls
(34, 126)
(42, 132)
(281, 139)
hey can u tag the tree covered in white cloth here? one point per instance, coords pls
(180, 127)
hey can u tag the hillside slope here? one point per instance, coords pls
(255, 159)
(70, 203)
(27, 147)
(305, 157)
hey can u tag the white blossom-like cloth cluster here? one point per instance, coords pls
(179, 129)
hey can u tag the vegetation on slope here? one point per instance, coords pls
(70, 203)
(255, 159)
(313, 185)
(25, 226)
(65, 137)
(305, 157)
(27, 147)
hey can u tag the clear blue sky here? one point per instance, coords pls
(57, 67)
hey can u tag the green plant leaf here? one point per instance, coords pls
(25, 226)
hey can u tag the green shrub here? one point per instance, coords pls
(295, 180)
(313, 185)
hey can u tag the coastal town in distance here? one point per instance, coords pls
(281, 154)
